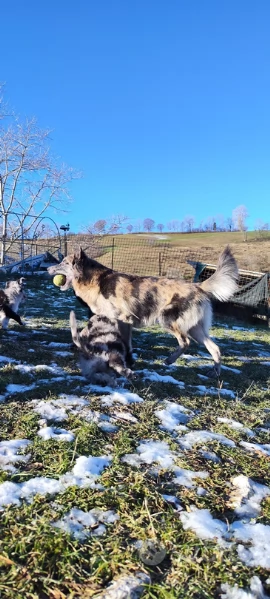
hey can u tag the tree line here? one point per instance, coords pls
(121, 224)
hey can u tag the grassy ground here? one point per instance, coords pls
(38, 560)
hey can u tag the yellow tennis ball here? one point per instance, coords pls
(59, 280)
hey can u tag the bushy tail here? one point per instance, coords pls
(223, 283)
(74, 330)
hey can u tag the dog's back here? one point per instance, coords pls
(102, 349)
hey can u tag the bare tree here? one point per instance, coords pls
(261, 227)
(129, 228)
(148, 224)
(116, 223)
(229, 224)
(239, 216)
(31, 180)
(160, 227)
(99, 227)
(189, 223)
(138, 225)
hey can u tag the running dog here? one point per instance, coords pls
(102, 349)
(14, 294)
(5, 311)
(184, 309)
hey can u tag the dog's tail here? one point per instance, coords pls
(74, 330)
(223, 283)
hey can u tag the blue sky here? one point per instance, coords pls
(164, 105)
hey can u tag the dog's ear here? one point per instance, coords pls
(79, 258)
(8, 284)
(21, 280)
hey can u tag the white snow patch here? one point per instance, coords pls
(160, 378)
(204, 525)
(12, 388)
(185, 477)
(9, 453)
(237, 425)
(256, 447)
(258, 537)
(85, 473)
(195, 437)
(173, 415)
(80, 524)
(256, 591)
(61, 434)
(123, 397)
(150, 452)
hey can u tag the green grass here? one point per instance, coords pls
(39, 561)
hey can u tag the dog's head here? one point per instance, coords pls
(71, 267)
(15, 289)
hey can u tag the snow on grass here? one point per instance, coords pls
(203, 390)
(185, 478)
(258, 538)
(235, 370)
(150, 452)
(246, 496)
(198, 437)
(9, 453)
(237, 426)
(13, 388)
(256, 447)
(234, 592)
(80, 524)
(61, 434)
(56, 409)
(85, 473)
(122, 396)
(7, 359)
(160, 378)
(209, 455)
(204, 525)
(173, 415)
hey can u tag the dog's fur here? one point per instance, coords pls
(14, 294)
(182, 308)
(102, 350)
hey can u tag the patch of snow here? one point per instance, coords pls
(236, 425)
(61, 434)
(150, 452)
(85, 473)
(258, 538)
(172, 415)
(195, 437)
(256, 591)
(80, 524)
(256, 447)
(9, 453)
(156, 377)
(12, 388)
(247, 496)
(204, 525)
(185, 477)
(123, 397)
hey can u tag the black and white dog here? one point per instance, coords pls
(103, 350)
(10, 299)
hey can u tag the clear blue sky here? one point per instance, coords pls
(164, 105)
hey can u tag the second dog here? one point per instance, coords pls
(103, 350)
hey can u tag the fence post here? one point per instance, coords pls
(159, 264)
(112, 252)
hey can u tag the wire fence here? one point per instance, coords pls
(149, 256)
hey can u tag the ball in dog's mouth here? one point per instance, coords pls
(59, 280)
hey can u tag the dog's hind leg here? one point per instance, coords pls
(198, 334)
(183, 341)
